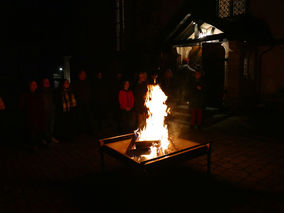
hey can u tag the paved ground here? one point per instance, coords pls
(247, 175)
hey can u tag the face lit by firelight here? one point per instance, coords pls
(126, 85)
(33, 86)
(197, 75)
(99, 75)
(45, 83)
(82, 75)
(66, 84)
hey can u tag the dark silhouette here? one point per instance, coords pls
(197, 100)
(34, 119)
(47, 93)
(4, 120)
(167, 85)
(118, 84)
(140, 91)
(183, 78)
(102, 101)
(2, 105)
(65, 111)
(83, 94)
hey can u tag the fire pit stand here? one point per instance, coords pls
(117, 147)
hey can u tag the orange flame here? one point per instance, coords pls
(155, 128)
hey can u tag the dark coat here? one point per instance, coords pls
(196, 96)
(48, 99)
(31, 105)
(82, 91)
(102, 92)
(140, 91)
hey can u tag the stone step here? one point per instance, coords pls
(180, 109)
(181, 121)
(185, 123)
(180, 114)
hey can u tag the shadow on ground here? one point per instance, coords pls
(168, 189)
(66, 177)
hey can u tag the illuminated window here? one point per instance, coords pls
(224, 8)
(239, 7)
(228, 8)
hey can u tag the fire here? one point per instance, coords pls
(155, 128)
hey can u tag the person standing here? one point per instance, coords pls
(31, 106)
(82, 92)
(65, 110)
(3, 121)
(101, 99)
(167, 84)
(49, 109)
(126, 102)
(2, 105)
(118, 84)
(140, 91)
(197, 100)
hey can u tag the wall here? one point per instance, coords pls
(272, 72)
(145, 20)
(233, 79)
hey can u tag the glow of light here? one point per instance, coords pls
(155, 128)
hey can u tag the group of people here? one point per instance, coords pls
(132, 102)
(51, 115)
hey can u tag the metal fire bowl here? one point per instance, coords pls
(183, 149)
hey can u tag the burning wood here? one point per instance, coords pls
(146, 144)
(153, 140)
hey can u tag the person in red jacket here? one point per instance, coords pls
(126, 102)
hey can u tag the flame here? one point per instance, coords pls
(155, 128)
(153, 153)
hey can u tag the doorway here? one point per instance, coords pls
(213, 59)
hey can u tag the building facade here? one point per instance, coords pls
(250, 35)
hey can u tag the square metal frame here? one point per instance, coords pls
(180, 155)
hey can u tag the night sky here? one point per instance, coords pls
(47, 29)
(35, 35)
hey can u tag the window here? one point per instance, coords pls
(239, 7)
(229, 8)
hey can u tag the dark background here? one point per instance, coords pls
(36, 34)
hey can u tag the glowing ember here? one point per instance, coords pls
(155, 128)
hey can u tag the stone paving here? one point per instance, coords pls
(247, 176)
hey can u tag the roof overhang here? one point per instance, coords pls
(191, 32)
(192, 42)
